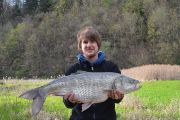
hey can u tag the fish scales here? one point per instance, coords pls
(88, 87)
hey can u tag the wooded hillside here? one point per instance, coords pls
(38, 37)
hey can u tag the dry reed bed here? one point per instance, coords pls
(154, 72)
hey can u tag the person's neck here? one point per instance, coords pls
(92, 59)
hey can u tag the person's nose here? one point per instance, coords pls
(89, 44)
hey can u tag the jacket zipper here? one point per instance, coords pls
(92, 68)
(94, 114)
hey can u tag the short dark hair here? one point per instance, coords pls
(90, 33)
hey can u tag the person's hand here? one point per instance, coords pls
(115, 94)
(71, 97)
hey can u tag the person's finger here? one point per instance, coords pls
(111, 95)
(71, 98)
(66, 96)
(119, 94)
(115, 95)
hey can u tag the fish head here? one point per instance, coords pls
(126, 84)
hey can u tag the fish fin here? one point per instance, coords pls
(78, 72)
(58, 94)
(37, 105)
(81, 71)
(114, 85)
(85, 106)
(108, 90)
(38, 100)
(31, 94)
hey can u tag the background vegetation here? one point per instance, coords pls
(38, 40)
(38, 37)
(154, 72)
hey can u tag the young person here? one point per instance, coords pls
(92, 60)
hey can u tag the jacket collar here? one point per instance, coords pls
(101, 57)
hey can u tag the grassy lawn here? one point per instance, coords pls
(155, 100)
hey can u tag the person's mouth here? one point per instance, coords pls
(90, 50)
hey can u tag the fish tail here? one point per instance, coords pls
(38, 100)
(31, 94)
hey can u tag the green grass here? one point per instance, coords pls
(13, 108)
(155, 100)
(159, 92)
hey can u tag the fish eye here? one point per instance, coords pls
(133, 81)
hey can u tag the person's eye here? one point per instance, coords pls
(92, 42)
(85, 42)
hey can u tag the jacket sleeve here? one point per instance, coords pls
(68, 104)
(116, 69)
(71, 70)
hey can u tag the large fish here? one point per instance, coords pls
(88, 87)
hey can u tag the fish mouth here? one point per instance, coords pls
(138, 86)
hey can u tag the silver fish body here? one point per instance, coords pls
(88, 87)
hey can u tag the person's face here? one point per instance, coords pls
(89, 48)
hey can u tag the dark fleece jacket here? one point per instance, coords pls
(99, 111)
